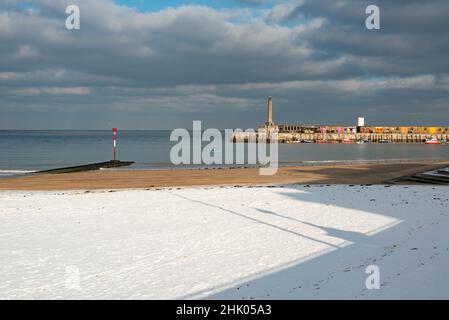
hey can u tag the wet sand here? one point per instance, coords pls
(360, 173)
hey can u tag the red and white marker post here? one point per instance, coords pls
(114, 132)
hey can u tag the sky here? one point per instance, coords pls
(138, 64)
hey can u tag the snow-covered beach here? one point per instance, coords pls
(289, 242)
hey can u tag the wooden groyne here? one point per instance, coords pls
(88, 167)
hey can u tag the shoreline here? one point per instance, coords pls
(378, 172)
(168, 166)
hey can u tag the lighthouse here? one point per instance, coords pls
(269, 122)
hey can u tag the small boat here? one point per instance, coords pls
(321, 141)
(360, 142)
(383, 141)
(346, 141)
(432, 141)
(308, 141)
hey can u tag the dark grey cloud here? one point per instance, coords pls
(165, 69)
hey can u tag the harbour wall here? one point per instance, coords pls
(330, 137)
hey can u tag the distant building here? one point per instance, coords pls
(269, 124)
(361, 127)
(404, 130)
(360, 132)
(269, 112)
(360, 122)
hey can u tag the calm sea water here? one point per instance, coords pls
(24, 151)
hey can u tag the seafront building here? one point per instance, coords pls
(291, 133)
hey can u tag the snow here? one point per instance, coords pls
(278, 242)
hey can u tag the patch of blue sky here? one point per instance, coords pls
(157, 5)
(21, 6)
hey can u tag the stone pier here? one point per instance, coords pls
(331, 138)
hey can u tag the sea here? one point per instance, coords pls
(26, 151)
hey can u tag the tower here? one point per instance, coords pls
(361, 122)
(269, 112)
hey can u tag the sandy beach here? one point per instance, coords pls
(352, 173)
(307, 232)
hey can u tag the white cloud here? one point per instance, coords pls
(7, 75)
(27, 52)
(310, 54)
(54, 91)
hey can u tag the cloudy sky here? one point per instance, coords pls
(159, 64)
